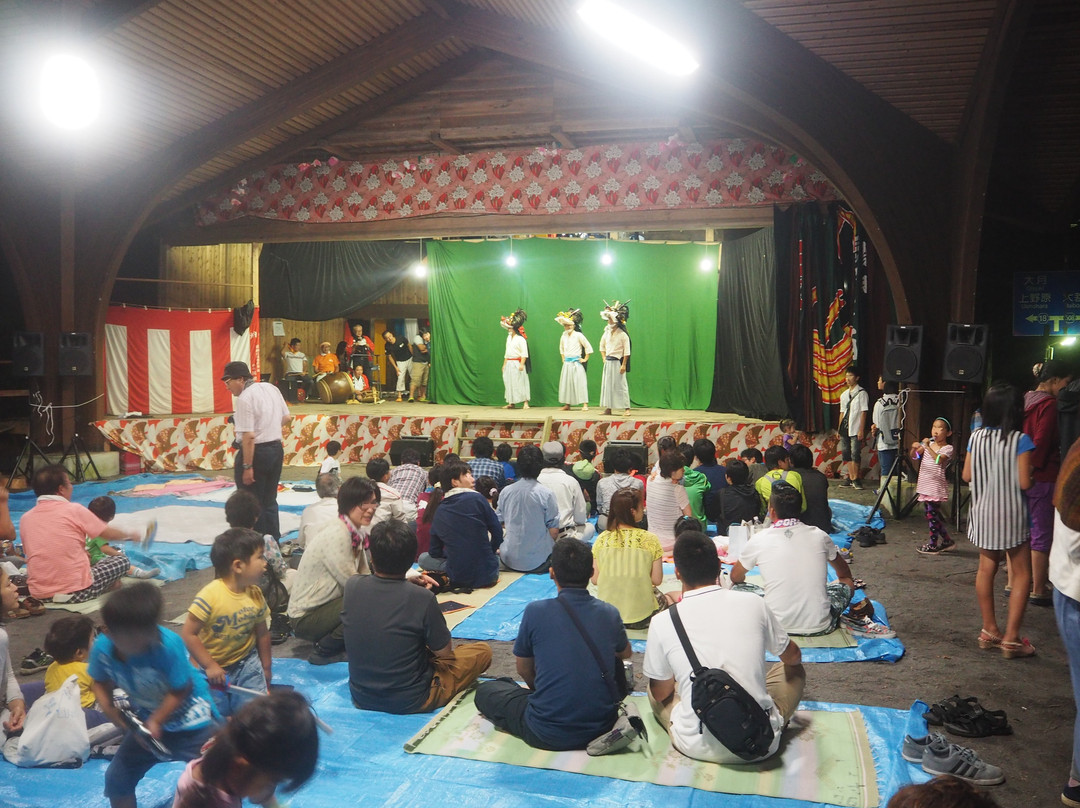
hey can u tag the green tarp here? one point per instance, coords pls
(672, 316)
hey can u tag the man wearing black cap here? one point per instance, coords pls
(260, 414)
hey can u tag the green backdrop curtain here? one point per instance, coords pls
(672, 322)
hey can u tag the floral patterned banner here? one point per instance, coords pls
(178, 444)
(670, 175)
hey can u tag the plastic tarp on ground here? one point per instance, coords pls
(364, 763)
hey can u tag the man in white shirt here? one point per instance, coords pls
(793, 558)
(260, 414)
(573, 513)
(737, 645)
(326, 509)
(854, 410)
(296, 365)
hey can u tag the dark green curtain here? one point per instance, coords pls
(749, 380)
(324, 280)
(672, 322)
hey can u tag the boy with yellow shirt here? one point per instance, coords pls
(68, 642)
(225, 631)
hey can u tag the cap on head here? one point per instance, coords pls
(553, 451)
(236, 370)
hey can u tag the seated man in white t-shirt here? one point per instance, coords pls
(793, 558)
(736, 644)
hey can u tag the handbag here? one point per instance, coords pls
(54, 733)
(724, 707)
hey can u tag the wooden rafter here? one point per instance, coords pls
(447, 148)
(562, 138)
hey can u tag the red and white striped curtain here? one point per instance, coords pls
(160, 362)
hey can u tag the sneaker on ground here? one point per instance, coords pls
(324, 659)
(136, 572)
(867, 540)
(845, 483)
(866, 627)
(620, 737)
(1070, 795)
(857, 485)
(913, 748)
(34, 662)
(942, 757)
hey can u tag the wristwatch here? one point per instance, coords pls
(247, 465)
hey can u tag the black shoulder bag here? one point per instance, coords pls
(723, 706)
(613, 676)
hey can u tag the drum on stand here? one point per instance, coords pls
(335, 388)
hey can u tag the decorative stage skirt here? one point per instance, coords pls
(573, 384)
(614, 394)
(516, 382)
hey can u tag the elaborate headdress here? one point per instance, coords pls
(515, 321)
(616, 313)
(571, 317)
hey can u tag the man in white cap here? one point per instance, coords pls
(573, 513)
(260, 414)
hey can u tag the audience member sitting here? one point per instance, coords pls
(573, 512)
(489, 490)
(619, 462)
(705, 462)
(815, 488)
(331, 465)
(585, 472)
(628, 563)
(334, 553)
(391, 504)
(793, 558)
(667, 499)
(665, 443)
(944, 791)
(778, 463)
(754, 461)
(695, 483)
(54, 535)
(738, 647)
(68, 643)
(739, 501)
(529, 514)
(104, 508)
(465, 532)
(409, 479)
(503, 453)
(242, 510)
(326, 486)
(424, 511)
(566, 702)
(401, 658)
(483, 464)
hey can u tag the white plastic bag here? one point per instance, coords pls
(54, 732)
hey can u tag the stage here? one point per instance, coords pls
(204, 442)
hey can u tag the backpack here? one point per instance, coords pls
(723, 706)
(888, 422)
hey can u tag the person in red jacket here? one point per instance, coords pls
(1041, 425)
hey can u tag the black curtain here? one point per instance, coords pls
(748, 378)
(324, 280)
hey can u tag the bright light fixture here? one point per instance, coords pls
(419, 270)
(511, 260)
(706, 264)
(69, 93)
(1068, 342)
(638, 37)
(607, 258)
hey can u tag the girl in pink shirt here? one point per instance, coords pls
(934, 455)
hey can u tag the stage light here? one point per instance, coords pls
(419, 270)
(607, 258)
(69, 93)
(706, 264)
(511, 260)
(638, 37)
(1068, 342)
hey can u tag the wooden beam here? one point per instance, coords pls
(372, 109)
(442, 145)
(562, 138)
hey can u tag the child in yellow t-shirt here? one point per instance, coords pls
(68, 643)
(225, 631)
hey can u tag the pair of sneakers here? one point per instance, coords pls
(865, 627)
(628, 728)
(938, 756)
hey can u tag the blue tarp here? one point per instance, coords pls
(364, 763)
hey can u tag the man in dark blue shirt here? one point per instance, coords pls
(567, 703)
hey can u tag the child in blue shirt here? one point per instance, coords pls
(150, 664)
(503, 453)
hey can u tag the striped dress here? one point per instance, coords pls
(999, 515)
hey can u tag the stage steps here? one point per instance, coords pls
(518, 429)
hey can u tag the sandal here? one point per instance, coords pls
(32, 605)
(17, 613)
(951, 710)
(980, 724)
(988, 640)
(859, 583)
(1017, 650)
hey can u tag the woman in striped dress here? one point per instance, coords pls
(998, 468)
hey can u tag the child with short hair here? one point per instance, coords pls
(166, 693)
(787, 433)
(68, 643)
(271, 740)
(754, 461)
(242, 510)
(331, 465)
(585, 472)
(933, 455)
(739, 500)
(503, 453)
(104, 508)
(225, 630)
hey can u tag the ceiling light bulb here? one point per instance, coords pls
(70, 96)
(419, 270)
(607, 258)
(511, 260)
(638, 37)
(706, 264)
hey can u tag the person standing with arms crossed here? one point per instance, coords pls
(260, 414)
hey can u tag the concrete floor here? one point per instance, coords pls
(931, 604)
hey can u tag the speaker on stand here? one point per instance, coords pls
(76, 357)
(965, 352)
(903, 353)
(28, 354)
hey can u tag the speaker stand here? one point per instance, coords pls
(24, 466)
(896, 473)
(76, 449)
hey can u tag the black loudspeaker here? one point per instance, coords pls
(424, 446)
(637, 450)
(903, 353)
(28, 354)
(965, 353)
(76, 354)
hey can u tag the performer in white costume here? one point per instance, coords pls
(575, 350)
(515, 368)
(615, 348)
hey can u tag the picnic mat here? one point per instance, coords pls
(183, 523)
(825, 757)
(92, 605)
(476, 598)
(364, 763)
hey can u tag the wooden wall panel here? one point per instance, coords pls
(215, 276)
